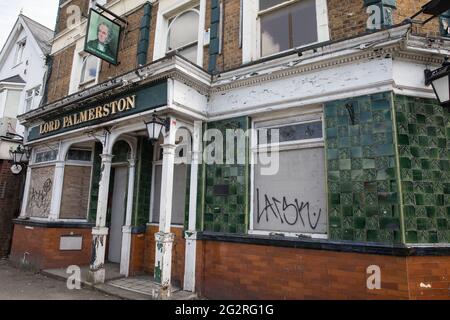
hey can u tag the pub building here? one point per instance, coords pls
(118, 175)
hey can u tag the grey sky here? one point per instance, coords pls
(42, 11)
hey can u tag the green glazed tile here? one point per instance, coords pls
(422, 224)
(420, 199)
(417, 175)
(348, 234)
(433, 237)
(345, 164)
(332, 154)
(357, 152)
(372, 235)
(421, 119)
(347, 211)
(442, 224)
(331, 133)
(368, 163)
(359, 222)
(403, 139)
(411, 237)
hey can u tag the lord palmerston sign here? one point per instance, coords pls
(91, 114)
(142, 100)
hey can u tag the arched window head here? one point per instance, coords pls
(183, 34)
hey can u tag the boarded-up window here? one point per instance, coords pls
(75, 195)
(292, 199)
(179, 194)
(40, 195)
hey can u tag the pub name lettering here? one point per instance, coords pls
(91, 114)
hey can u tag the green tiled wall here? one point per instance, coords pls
(143, 183)
(142, 179)
(227, 213)
(423, 129)
(363, 202)
(95, 180)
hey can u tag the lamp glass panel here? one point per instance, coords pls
(442, 88)
(154, 129)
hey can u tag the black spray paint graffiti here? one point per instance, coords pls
(40, 199)
(289, 213)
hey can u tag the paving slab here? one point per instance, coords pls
(18, 284)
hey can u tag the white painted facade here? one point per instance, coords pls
(30, 67)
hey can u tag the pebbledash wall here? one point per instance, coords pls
(387, 187)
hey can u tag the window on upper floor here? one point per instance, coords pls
(183, 34)
(287, 24)
(19, 51)
(31, 98)
(89, 71)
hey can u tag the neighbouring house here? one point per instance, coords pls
(22, 80)
(359, 186)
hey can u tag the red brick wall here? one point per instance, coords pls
(58, 84)
(10, 194)
(347, 18)
(407, 8)
(42, 246)
(243, 271)
(137, 254)
(434, 275)
(178, 254)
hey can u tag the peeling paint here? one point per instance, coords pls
(158, 272)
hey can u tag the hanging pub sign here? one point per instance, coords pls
(103, 37)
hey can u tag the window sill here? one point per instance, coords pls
(399, 250)
(54, 224)
(87, 84)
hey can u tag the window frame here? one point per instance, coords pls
(170, 22)
(20, 49)
(36, 152)
(277, 122)
(91, 82)
(32, 97)
(251, 33)
(169, 10)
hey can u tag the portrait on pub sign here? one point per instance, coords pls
(103, 36)
(445, 26)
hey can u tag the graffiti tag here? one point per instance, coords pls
(291, 213)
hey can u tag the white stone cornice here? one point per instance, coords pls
(174, 67)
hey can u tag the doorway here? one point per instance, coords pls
(118, 208)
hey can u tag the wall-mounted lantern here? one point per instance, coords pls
(155, 126)
(17, 156)
(20, 154)
(440, 81)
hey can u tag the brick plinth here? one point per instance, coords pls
(39, 247)
(178, 254)
(137, 254)
(247, 271)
